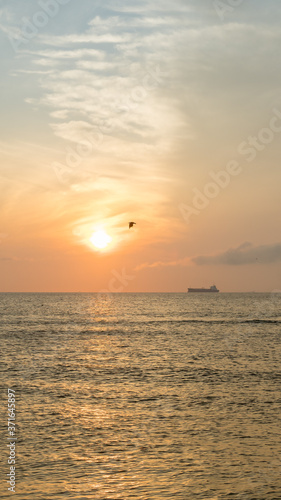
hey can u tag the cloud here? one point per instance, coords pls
(242, 255)
(16, 259)
(143, 79)
(182, 262)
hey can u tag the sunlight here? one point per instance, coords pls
(100, 239)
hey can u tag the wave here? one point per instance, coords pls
(210, 321)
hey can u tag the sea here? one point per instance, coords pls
(140, 396)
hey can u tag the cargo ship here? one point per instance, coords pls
(212, 288)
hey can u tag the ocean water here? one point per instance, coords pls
(142, 396)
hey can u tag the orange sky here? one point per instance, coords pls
(168, 115)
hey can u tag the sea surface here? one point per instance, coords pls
(142, 396)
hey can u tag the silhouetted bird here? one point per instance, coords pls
(131, 224)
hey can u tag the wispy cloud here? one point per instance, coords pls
(174, 263)
(16, 259)
(242, 255)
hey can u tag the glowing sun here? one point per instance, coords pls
(100, 239)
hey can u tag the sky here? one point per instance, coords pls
(165, 113)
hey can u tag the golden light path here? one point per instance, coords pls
(100, 239)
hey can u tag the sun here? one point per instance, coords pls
(100, 239)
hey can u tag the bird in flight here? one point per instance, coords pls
(131, 224)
